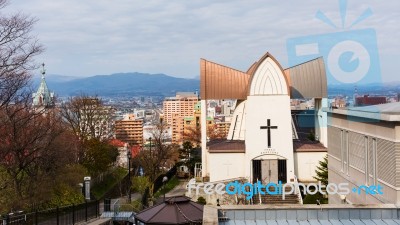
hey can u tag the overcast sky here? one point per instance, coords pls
(89, 37)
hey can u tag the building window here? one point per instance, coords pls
(347, 152)
(370, 160)
(342, 150)
(374, 161)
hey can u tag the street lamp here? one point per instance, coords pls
(164, 180)
(129, 154)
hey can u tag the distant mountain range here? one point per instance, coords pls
(127, 84)
(144, 84)
(383, 89)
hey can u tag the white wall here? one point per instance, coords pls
(204, 151)
(305, 164)
(321, 121)
(258, 110)
(237, 129)
(225, 166)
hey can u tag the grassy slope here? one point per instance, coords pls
(168, 187)
(109, 181)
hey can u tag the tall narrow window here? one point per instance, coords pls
(366, 160)
(371, 161)
(347, 152)
(374, 161)
(342, 150)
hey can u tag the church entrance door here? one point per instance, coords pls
(270, 170)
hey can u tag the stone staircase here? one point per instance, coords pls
(276, 199)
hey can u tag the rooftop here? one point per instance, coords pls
(174, 210)
(239, 146)
(226, 146)
(186, 94)
(309, 214)
(308, 146)
(386, 112)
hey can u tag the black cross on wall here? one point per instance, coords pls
(269, 127)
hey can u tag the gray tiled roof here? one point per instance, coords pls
(313, 222)
(312, 216)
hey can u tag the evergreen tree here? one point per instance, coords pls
(185, 151)
(322, 171)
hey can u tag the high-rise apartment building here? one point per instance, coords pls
(129, 129)
(177, 127)
(187, 128)
(182, 104)
(222, 128)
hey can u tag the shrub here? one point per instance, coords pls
(201, 200)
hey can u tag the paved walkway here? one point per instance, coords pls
(102, 221)
(179, 190)
(122, 200)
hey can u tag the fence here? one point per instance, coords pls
(59, 216)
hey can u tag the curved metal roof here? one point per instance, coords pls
(221, 82)
(306, 80)
(258, 70)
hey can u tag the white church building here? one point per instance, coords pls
(263, 143)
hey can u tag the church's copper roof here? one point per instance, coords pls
(222, 82)
(306, 80)
(252, 68)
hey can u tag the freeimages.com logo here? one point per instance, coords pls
(350, 56)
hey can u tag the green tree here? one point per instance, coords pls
(98, 156)
(66, 189)
(185, 151)
(322, 171)
(139, 184)
(34, 147)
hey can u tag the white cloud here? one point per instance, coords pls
(87, 37)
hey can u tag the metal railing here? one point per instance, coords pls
(297, 190)
(66, 215)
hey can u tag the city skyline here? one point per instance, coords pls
(91, 38)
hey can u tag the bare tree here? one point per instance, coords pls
(17, 50)
(159, 154)
(88, 117)
(193, 134)
(32, 149)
